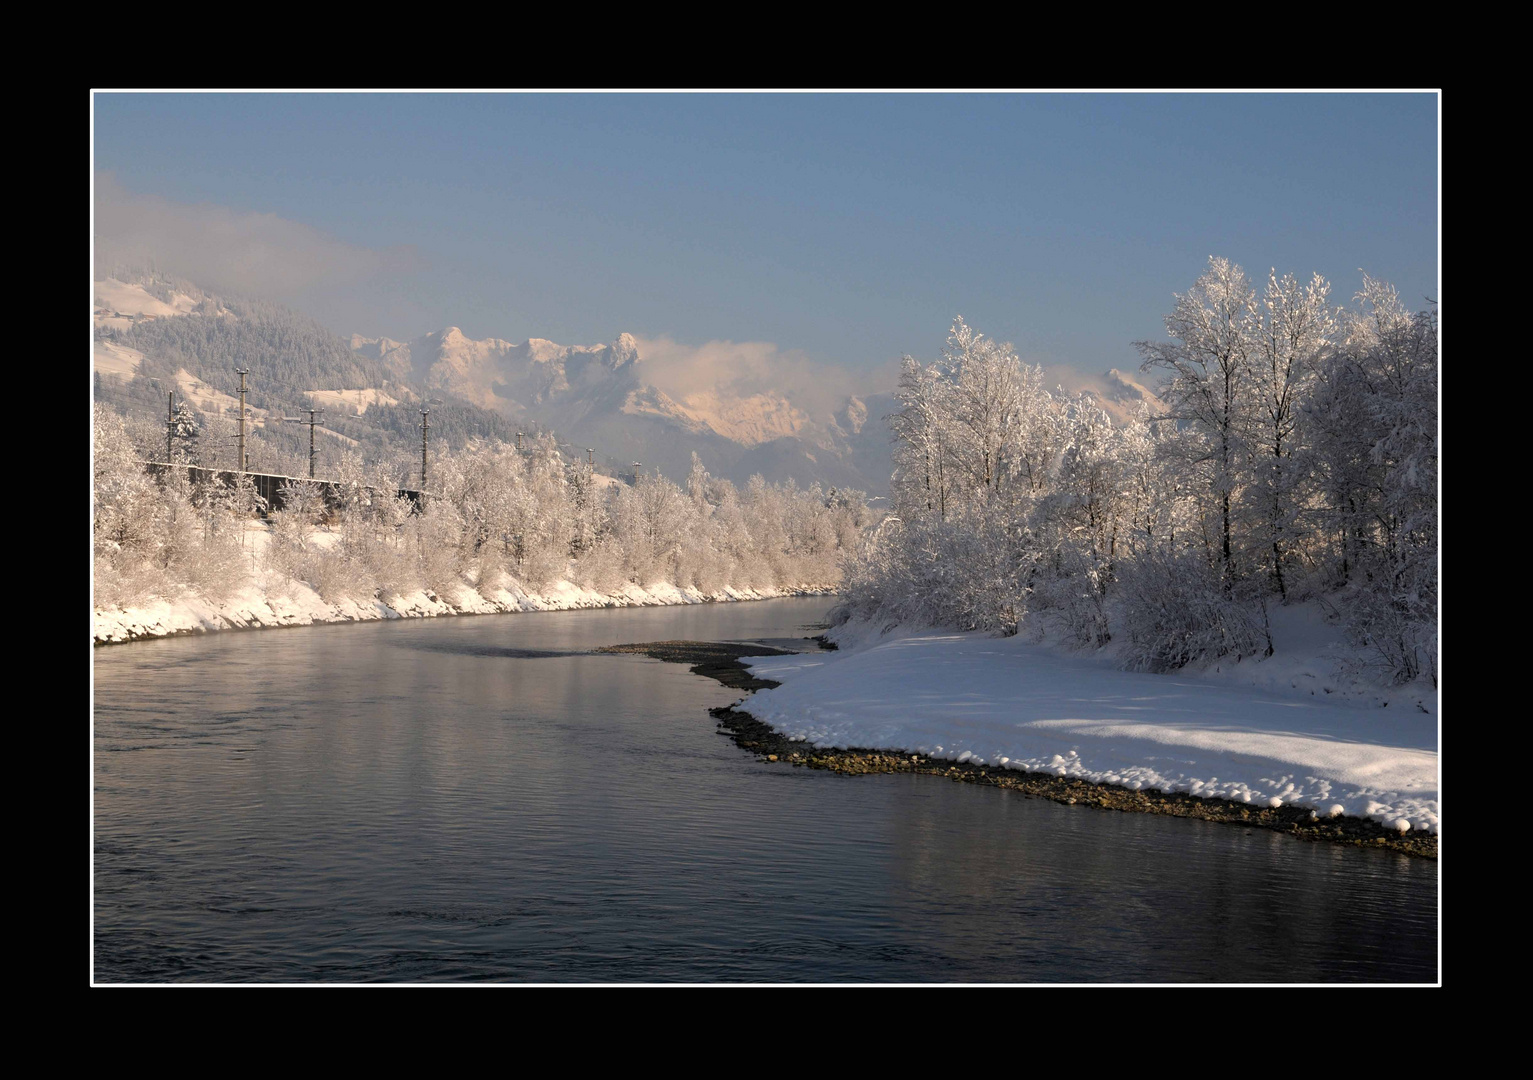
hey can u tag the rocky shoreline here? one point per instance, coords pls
(721, 661)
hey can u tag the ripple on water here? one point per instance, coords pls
(484, 799)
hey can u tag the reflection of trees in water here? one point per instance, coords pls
(1095, 894)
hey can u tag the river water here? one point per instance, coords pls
(462, 799)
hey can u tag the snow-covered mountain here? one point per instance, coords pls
(156, 332)
(1120, 395)
(601, 396)
(537, 377)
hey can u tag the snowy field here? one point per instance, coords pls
(1281, 731)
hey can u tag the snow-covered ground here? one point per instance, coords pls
(1280, 731)
(294, 603)
(349, 402)
(116, 361)
(210, 399)
(119, 297)
(272, 600)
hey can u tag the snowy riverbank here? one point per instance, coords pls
(1278, 732)
(273, 601)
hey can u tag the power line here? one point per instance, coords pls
(299, 420)
(338, 423)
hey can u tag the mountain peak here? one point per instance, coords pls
(854, 415)
(600, 395)
(622, 352)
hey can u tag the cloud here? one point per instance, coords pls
(749, 367)
(226, 250)
(235, 252)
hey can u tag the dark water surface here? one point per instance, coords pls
(441, 799)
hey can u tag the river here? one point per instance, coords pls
(476, 799)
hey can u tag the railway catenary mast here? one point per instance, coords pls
(425, 425)
(242, 372)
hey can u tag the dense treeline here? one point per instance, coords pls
(493, 513)
(1294, 457)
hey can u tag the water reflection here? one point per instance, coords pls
(482, 799)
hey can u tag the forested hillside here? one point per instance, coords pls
(290, 350)
(194, 345)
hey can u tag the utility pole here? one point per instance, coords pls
(311, 422)
(170, 424)
(242, 372)
(425, 424)
(311, 440)
(518, 442)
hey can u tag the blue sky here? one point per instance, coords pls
(851, 228)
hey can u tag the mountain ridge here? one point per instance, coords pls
(601, 396)
(154, 331)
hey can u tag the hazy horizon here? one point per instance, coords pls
(818, 237)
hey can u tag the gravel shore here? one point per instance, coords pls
(721, 661)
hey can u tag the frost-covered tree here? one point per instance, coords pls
(124, 500)
(921, 475)
(984, 409)
(293, 535)
(1292, 454)
(1376, 417)
(1208, 362)
(1292, 331)
(977, 442)
(1079, 521)
(183, 436)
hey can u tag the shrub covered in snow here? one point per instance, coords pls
(1176, 611)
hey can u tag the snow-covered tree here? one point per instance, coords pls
(921, 476)
(1292, 448)
(1209, 364)
(1376, 412)
(1292, 331)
